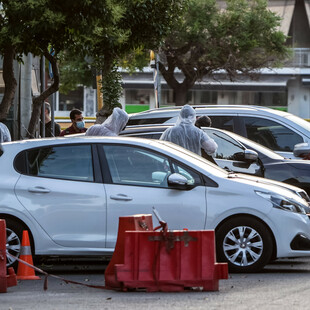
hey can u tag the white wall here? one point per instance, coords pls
(298, 99)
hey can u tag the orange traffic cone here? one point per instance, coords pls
(25, 272)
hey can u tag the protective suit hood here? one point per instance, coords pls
(112, 126)
(5, 135)
(187, 115)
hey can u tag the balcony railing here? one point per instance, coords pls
(300, 58)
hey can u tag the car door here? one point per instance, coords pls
(137, 181)
(230, 154)
(59, 188)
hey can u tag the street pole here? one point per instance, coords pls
(156, 77)
(42, 79)
(158, 82)
(53, 99)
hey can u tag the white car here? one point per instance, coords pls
(277, 130)
(70, 192)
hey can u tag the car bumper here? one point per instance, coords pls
(292, 234)
(300, 243)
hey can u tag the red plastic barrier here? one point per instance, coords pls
(139, 222)
(10, 279)
(170, 261)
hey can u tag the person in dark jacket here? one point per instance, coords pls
(48, 123)
(78, 124)
(205, 121)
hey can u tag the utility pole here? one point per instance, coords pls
(25, 97)
(156, 78)
(42, 79)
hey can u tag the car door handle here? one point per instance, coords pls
(121, 197)
(39, 190)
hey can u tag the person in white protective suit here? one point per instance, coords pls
(184, 133)
(5, 135)
(112, 126)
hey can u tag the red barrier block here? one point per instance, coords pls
(10, 279)
(172, 261)
(139, 222)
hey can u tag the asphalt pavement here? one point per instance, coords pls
(283, 284)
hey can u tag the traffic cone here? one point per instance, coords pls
(25, 272)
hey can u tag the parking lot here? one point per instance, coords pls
(281, 285)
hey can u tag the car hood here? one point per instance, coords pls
(299, 164)
(275, 184)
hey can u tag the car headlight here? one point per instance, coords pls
(284, 203)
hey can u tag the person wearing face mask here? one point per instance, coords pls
(112, 126)
(78, 124)
(184, 133)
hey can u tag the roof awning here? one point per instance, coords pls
(285, 9)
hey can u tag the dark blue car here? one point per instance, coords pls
(238, 154)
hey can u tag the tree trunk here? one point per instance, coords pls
(180, 95)
(180, 89)
(9, 81)
(38, 101)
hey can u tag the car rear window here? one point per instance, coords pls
(72, 162)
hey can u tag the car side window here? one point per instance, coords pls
(136, 166)
(72, 162)
(222, 122)
(271, 134)
(228, 148)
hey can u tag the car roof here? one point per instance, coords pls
(20, 145)
(143, 129)
(206, 108)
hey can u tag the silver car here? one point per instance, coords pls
(277, 130)
(69, 193)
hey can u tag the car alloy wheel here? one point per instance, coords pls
(243, 246)
(244, 243)
(13, 246)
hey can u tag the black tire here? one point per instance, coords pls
(14, 233)
(244, 255)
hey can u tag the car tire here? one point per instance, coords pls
(244, 243)
(14, 232)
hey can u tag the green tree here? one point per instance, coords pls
(104, 30)
(239, 40)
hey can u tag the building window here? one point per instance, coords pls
(208, 97)
(72, 100)
(270, 99)
(137, 96)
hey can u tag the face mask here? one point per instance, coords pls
(80, 124)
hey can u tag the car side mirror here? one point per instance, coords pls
(250, 155)
(178, 181)
(246, 156)
(301, 149)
